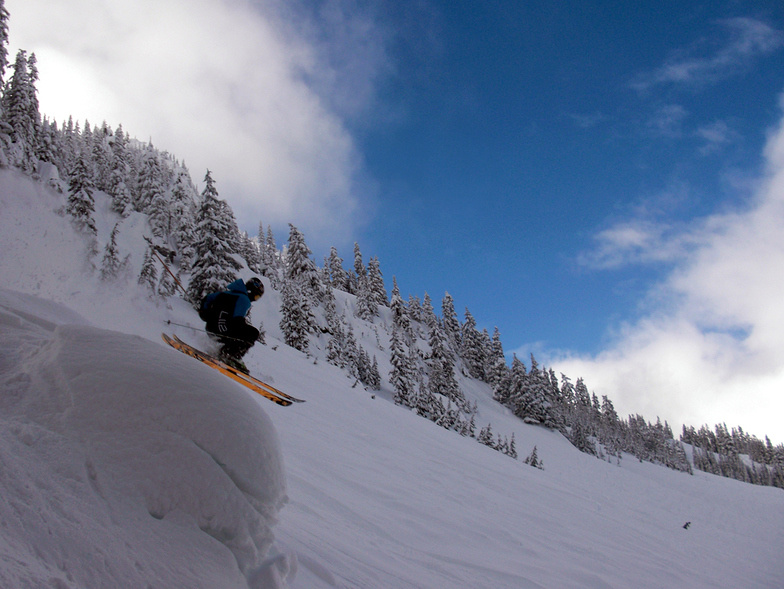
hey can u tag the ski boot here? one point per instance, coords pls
(235, 363)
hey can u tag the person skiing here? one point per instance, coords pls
(226, 312)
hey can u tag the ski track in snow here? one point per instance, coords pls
(125, 463)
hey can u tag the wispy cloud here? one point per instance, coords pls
(716, 136)
(668, 121)
(636, 241)
(265, 95)
(709, 61)
(711, 345)
(588, 121)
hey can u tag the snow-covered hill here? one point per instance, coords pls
(126, 464)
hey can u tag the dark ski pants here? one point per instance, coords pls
(238, 339)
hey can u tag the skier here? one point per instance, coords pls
(225, 313)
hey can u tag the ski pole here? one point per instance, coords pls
(170, 322)
(182, 288)
(155, 253)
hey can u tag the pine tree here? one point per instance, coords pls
(338, 276)
(401, 376)
(428, 313)
(442, 370)
(271, 258)
(366, 304)
(183, 210)
(533, 460)
(21, 114)
(81, 205)
(496, 368)
(3, 39)
(376, 283)
(102, 157)
(295, 316)
(214, 266)
(400, 320)
(450, 323)
(472, 348)
(508, 388)
(111, 265)
(360, 273)
(122, 200)
(486, 436)
(512, 450)
(149, 273)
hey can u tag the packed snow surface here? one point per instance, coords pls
(124, 463)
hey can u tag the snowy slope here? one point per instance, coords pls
(125, 463)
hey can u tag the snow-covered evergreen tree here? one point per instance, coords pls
(21, 114)
(486, 436)
(148, 276)
(3, 39)
(495, 367)
(375, 283)
(338, 276)
(442, 370)
(360, 273)
(183, 209)
(401, 377)
(449, 322)
(534, 460)
(296, 316)
(111, 265)
(400, 320)
(472, 348)
(81, 204)
(214, 266)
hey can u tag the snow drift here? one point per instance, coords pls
(125, 464)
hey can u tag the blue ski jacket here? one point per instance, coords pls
(234, 300)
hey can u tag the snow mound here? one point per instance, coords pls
(124, 462)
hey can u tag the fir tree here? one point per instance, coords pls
(111, 265)
(148, 275)
(122, 200)
(182, 218)
(486, 436)
(496, 368)
(214, 266)
(295, 316)
(472, 349)
(3, 39)
(271, 258)
(338, 276)
(450, 323)
(534, 460)
(512, 449)
(20, 113)
(375, 284)
(442, 372)
(400, 320)
(81, 205)
(428, 313)
(401, 376)
(360, 273)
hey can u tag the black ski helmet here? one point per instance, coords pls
(255, 288)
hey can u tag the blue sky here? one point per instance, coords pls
(596, 179)
(524, 136)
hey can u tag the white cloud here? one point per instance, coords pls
(257, 95)
(747, 39)
(711, 349)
